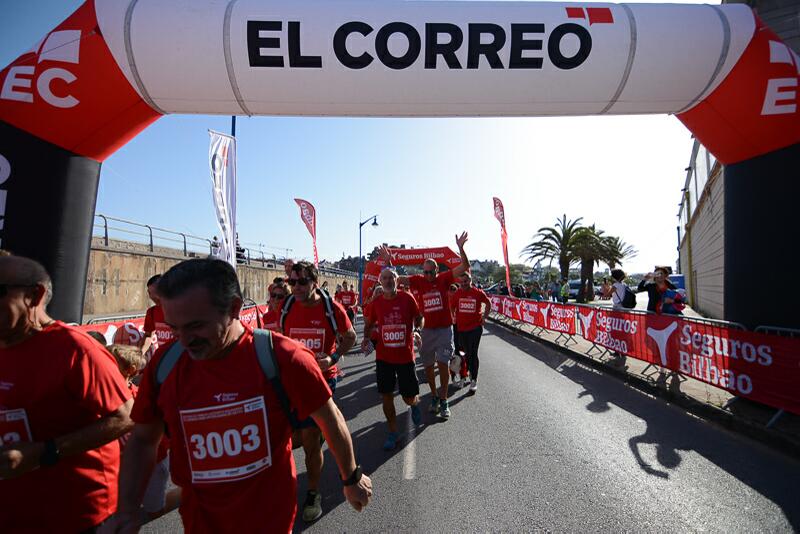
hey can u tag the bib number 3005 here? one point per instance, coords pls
(227, 442)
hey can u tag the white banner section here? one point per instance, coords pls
(222, 159)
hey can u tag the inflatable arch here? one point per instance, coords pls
(114, 67)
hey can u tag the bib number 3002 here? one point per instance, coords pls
(227, 442)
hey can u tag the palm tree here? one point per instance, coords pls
(555, 243)
(591, 248)
(617, 251)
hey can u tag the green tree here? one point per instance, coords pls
(555, 243)
(591, 248)
(617, 250)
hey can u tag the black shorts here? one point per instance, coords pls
(404, 374)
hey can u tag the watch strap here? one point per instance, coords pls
(354, 478)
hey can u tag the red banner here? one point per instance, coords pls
(406, 256)
(309, 216)
(500, 215)
(760, 367)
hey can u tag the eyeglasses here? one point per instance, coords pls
(301, 281)
(4, 288)
(428, 272)
(277, 296)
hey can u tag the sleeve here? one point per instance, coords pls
(446, 278)
(642, 285)
(301, 377)
(342, 320)
(485, 298)
(145, 407)
(414, 306)
(149, 323)
(616, 299)
(94, 378)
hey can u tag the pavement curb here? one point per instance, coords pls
(709, 412)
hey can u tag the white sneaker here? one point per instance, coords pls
(460, 383)
(474, 386)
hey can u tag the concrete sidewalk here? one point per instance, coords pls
(697, 397)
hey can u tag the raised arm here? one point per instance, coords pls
(464, 266)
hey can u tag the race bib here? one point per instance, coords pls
(393, 335)
(163, 333)
(312, 338)
(432, 301)
(14, 427)
(228, 442)
(467, 305)
(346, 300)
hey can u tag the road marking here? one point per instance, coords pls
(410, 452)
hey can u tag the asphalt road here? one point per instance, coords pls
(550, 445)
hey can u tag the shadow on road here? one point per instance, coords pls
(671, 431)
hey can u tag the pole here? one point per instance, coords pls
(360, 267)
(233, 125)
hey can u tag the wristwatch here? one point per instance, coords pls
(335, 357)
(353, 479)
(50, 455)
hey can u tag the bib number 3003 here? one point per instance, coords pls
(227, 442)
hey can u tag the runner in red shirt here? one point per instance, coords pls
(229, 436)
(347, 297)
(396, 316)
(154, 319)
(63, 405)
(277, 292)
(470, 319)
(306, 322)
(437, 336)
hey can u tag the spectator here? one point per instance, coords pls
(554, 290)
(657, 286)
(97, 336)
(606, 289)
(215, 248)
(618, 290)
(565, 291)
(535, 292)
(60, 460)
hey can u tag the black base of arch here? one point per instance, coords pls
(50, 197)
(762, 237)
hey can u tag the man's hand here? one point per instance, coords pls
(359, 494)
(365, 344)
(383, 252)
(20, 457)
(324, 361)
(122, 523)
(462, 239)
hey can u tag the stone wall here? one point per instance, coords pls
(118, 273)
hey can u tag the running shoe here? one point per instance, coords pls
(460, 383)
(473, 387)
(444, 412)
(416, 414)
(312, 509)
(434, 407)
(391, 441)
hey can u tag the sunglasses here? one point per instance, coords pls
(277, 296)
(5, 287)
(301, 281)
(428, 272)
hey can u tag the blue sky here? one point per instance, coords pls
(425, 178)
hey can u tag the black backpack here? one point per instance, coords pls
(266, 360)
(329, 315)
(629, 300)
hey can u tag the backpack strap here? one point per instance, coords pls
(167, 363)
(329, 311)
(287, 305)
(269, 365)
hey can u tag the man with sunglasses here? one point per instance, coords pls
(63, 404)
(437, 335)
(306, 322)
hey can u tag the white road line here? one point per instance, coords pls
(410, 452)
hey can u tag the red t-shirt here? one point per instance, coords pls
(54, 383)
(309, 326)
(466, 304)
(395, 325)
(154, 322)
(348, 299)
(271, 320)
(240, 476)
(433, 298)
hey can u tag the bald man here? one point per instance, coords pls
(63, 404)
(437, 335)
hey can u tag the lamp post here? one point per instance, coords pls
(374, 220)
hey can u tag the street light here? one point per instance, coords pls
(374, 220)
